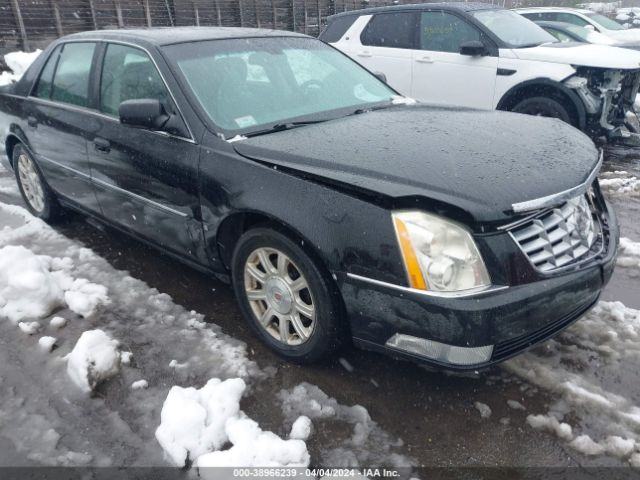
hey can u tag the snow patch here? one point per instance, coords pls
(619, 183)
(94, 358)
(139, 385)
(516, 405)
(367, 445)
(32, 286)
(483, 408)
(550, 423)
(57, 323)
(301, 428)
(628, 253)
(18, 62)
(584, 368)
(29, 328)
(46, 343)
(197, 423)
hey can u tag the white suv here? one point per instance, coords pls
(583, 18)
(481, 56)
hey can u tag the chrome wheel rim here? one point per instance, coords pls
(30, 181)
(279, 296)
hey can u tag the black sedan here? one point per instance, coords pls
(338, 210)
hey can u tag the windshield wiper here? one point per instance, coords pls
(531, 45)
(279, 127)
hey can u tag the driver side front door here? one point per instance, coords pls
(441, 75)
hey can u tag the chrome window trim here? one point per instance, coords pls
(114, 187)
(138, 197)
(191, 138)
(560, 197)
(474, 292)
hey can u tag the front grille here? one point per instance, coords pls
(561, 236)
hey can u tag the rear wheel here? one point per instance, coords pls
(286, 297)
(38, 197)
(544, 107)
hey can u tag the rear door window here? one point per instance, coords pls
(71, 79)
(392, 30)
(45, 82)
(444, 32)
(337, 28)
(546, 16)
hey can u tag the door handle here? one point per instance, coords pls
(32, 121)
(364, 53)
(424, 59)
(102, 145)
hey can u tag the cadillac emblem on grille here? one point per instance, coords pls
(559, 237)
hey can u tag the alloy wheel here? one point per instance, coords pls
(31, 184)
(279, 296)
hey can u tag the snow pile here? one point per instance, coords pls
(619, 183)
(94, 358)
(197, 424)
(32, 286)
(368, 445)
(629, 253)
(18, 62)
(585, 367)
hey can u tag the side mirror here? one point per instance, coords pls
(590, 27)
(381, 76)
(143, 113)
(473, 48)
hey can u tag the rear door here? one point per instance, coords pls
(60, 120)
(444, 76)
(145, 180)
(385, 47)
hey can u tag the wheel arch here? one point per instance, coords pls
(546, 86)
(232, 227)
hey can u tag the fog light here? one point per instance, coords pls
(440, 351)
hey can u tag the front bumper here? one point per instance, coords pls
(511, 319)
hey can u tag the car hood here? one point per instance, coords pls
(479, 161)
(582, 54)
(630, 35)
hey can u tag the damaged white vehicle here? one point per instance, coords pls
(481, 56)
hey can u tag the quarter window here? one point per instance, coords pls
(128, 74)
(392, 30)
(71, 79)
(444, 32)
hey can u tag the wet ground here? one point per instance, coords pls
(433, 413)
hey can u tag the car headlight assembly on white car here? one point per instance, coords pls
(439, 255)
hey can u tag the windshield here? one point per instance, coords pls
(604, 22)
(245, 85)
(590, 36)
(513, 29)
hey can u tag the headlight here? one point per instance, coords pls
(438, 254)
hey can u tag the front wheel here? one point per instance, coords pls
(544, 107)
(35, 192)
(286, 297)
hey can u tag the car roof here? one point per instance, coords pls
(553, 9)
(160, 36)
(458, 6)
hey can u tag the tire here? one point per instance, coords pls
(318, 329)
(544, 107)
(37, 195)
